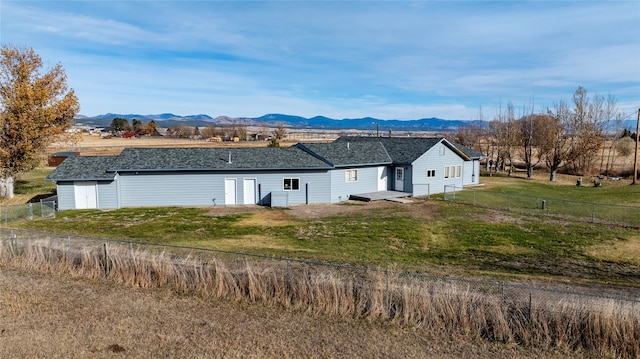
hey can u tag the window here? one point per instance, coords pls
(452, 171)
(291, 184)
(431, 173)
(351, 175)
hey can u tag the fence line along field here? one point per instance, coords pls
(605, 327)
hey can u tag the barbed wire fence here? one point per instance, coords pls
(543, 206)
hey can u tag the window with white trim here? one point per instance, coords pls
(351, 175)
(431, 173)
(452, 171)
(291, 184)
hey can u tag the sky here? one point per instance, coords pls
(456, 60)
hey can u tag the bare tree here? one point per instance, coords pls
(510, 134)
(208, 132)
(280, 132)
(180, 131)
(469, 136)
(609, 113)
(572, 136)
(585, 129)
(530, 130)
(240, 131)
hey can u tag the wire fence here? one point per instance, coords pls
(583, 211)
(17, 239)
(30, 211)
(603, 319)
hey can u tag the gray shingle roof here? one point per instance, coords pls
(403, 150)
(345, 151)
(83, 168)
(469, 151)
(177, 159)
(349, 154)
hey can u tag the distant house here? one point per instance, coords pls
(304, 173)
(55, 159)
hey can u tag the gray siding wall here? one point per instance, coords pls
(66, 196)
(341, 189)
(106, 191)
(107, 194)
(436, 159)
(207, 188)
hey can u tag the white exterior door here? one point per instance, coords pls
(382, 178)
(399, 183)
(85, 194)
(249, 190)
(229, 191)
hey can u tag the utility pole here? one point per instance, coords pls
(635, 156)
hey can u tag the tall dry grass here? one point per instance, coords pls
(603, 327)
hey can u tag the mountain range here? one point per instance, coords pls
(289, 121)
(432, 124)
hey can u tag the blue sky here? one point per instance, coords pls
(341, 59)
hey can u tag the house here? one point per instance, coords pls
(424, 166)
(56, 159)
(301, 174)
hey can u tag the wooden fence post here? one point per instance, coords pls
(106, 258)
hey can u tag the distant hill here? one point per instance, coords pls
(289, 121)
(432, 124)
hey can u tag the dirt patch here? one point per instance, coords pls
(493, 216)
(420, 209)
(269, 218)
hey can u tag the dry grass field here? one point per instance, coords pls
(61, 316)
(94, 145)
(52, 316)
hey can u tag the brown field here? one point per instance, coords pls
(94, 145)
(63, 316)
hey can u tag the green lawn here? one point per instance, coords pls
(611, 192)
(614, 202)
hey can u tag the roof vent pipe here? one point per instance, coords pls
(347, 145)
(229, 162)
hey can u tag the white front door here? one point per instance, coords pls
(382, 178)
(249, 190)
(229, 191)
(85, 194)
(399, 183)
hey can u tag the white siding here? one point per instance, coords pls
(436, 159)
(471, 174)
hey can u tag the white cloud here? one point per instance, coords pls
(339, 59)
